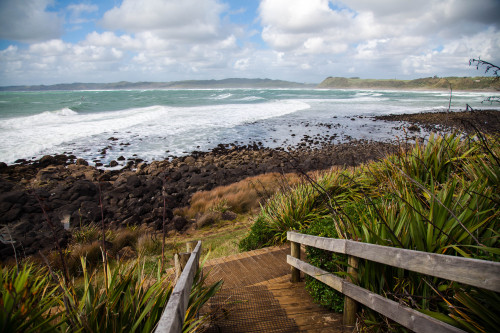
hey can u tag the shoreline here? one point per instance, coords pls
(69, 192)
(69, 188)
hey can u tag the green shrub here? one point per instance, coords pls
(86, 234)
(122, 302)
(328, 261)
(124, 299)
(258, 237)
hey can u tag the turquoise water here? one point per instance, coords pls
(157, 124)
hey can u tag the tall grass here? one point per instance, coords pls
(439, 197)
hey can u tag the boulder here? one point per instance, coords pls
(126, 253)
(179, 222)
(189, 160)
(228, 216)
(81, 161)
(208, 219)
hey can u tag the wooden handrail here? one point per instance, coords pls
(475, 272)
(172, 319)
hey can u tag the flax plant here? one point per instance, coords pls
(129, 300)
(27, 300)
(438, 197)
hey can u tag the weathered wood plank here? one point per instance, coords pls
(180, 261)
(327, 278)
(350, 305)
(172, 318)
(474, 272)
(329, 244)
(295, 252)
(406, 316)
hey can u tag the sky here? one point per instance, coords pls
(65, 41)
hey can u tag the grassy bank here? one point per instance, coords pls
(439, 197)
(431, 83)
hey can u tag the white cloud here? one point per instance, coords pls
(304, 26)
(298, 15)
(78, 10)
(242, 64)
(28, 21)
(195, 20)
(299, 40)
(383, 38)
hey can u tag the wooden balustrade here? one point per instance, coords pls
(479, 273)
(172, 318)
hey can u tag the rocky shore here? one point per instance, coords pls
(70, 191)
(50, 196)
(487, 121)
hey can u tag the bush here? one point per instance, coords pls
(328, 261)
(258, 237)
(123, 299)
(441, 197)
(125, 237)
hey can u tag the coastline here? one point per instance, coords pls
(69, 188)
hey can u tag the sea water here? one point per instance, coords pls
(160, 124)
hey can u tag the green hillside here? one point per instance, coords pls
(457, 83)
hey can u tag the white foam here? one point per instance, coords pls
(221, 96)
(47, 117)
(250, 98)
(57, 131)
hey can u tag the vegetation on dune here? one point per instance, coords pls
(440, 197)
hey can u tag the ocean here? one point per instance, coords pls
(161, 124)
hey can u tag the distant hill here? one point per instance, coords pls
(431, 83)
(226, 83)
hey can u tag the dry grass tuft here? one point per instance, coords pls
(149, 245)
(90, 251)
(241, 197)
(126, 237)
(208, 218)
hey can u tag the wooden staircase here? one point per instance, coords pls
(257, 296)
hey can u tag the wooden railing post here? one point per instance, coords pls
(295, 252)
(350, 305)
(190, 246)
(180, 261)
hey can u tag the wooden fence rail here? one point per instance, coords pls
(172, 319)
(474, 272)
